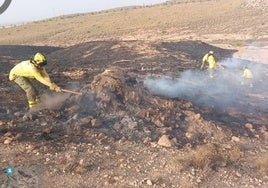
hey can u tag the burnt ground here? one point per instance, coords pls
(122, 132)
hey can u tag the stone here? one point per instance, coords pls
(86, 120)
(8, 141)
(149, 182)
(165, 141)
(249, 126)
(96, 123)
(235, 139)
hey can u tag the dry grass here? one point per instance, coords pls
(210, 156)
(262, 164)
(186, 185)
(139, 23)
(206, 156)
(234, 154)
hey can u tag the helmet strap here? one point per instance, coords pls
(32, 60)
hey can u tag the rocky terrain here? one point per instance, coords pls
(148, 116)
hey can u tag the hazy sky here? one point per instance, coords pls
(31, 10)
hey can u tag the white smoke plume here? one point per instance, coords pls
(55, 101)
(222, 91)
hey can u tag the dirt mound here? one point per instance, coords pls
(116, 94)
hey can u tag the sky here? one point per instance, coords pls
(21, 11)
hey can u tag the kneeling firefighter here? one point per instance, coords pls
(26, 71)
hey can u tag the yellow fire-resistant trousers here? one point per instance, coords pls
(31, 92)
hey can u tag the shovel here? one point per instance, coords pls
(73, 92)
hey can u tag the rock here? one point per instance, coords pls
(1, 123)
(29, 148)
(47, 130)
(27, 116)
(43, 123)
(8, 141)
(165, 141)
(80, 169)
(10, 124)
(265, 134)
(158, 123)
(8, 134)
(189, 135)
(117, 126)
(249, 126)
(165, 130)
(17, 114)
(77, 129)
(147, 140)
(96, 123)
(75, 117)
(119, 153)
(238, 174)
(149, 182)
(197, 116)
(86, 120)
(74, 108)
(263, 129)
(199, 180)
(235, 139)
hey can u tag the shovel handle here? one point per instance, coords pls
(69, 91)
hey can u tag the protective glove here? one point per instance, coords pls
(55, 87)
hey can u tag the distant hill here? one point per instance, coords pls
(235, 21)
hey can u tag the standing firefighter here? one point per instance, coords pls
(26, 71)
(247, 77)
(209, 58)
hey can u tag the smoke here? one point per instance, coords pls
(223, 91)
(55, 101)
(51, 101)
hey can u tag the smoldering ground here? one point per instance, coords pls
(223, 91)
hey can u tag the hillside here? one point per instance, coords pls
(197, 21)
(148, 116)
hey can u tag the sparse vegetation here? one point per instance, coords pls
(262, 164)
(141, 23)
(119, 133)
(210, 156)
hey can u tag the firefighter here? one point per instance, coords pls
(26, 71)
(247, 77)
(209, 58)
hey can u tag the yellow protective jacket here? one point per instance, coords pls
(247, 73)
(29, 70)
(210, 60)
